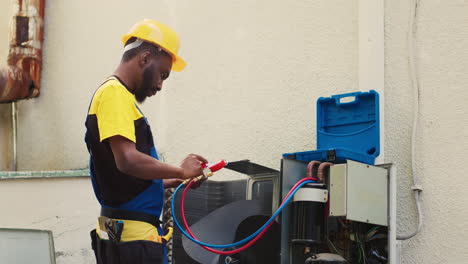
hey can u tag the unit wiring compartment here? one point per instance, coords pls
(352, 226)
(357, 242)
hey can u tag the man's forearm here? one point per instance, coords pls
(133, 162)
(146, 167)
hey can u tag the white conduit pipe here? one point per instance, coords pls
(417, 189)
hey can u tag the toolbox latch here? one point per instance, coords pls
(331, 155)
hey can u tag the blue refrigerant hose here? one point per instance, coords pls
(245, 240)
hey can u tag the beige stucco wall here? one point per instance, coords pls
(65, 206)
(255, 71)
(442, 139)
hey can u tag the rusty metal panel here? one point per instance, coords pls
(22, 29)
(21, 78)
(17, 84)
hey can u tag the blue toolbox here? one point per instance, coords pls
(348, 127)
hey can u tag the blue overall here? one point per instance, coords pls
(150, 201)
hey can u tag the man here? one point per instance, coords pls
(128, 179)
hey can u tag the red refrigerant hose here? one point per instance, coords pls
(230, 252)
(251, 242)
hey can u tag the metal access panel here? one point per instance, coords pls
(26, 246)
(367, 193)
(338, 190)
(291, 172)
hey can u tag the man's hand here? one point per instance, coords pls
(191, 166)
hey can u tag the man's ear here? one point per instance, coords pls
(144, 59)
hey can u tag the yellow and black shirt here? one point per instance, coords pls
(113, 111)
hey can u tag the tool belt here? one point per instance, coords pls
(112, 250)
(113, 221)
(130, 215)
(132, 252)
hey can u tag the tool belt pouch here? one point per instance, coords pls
(138, 251)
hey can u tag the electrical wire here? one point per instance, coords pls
(358, 247)
(287, 198)
(372, 232)
(416, 188)
(361, 248)
(377, 236)
(330, 243)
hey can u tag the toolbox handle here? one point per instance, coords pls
(344, 99)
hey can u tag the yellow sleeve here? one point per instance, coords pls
(116, 114)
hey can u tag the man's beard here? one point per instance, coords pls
(146, 85)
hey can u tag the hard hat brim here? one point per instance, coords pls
(178, 64)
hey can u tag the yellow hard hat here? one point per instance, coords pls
(161, 35)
